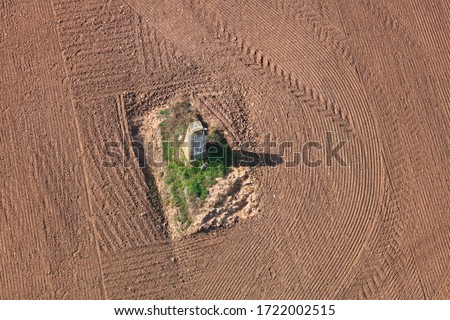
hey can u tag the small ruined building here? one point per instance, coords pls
(194, 146)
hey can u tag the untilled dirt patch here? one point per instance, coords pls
(232, 198)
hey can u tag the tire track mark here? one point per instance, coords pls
(83, 162)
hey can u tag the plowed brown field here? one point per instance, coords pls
(74, 75)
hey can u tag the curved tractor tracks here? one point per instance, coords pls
(299, 71)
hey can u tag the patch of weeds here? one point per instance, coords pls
(176, 120)
(187, 182)
(164, 112)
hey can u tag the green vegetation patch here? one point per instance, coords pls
(187, 183)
